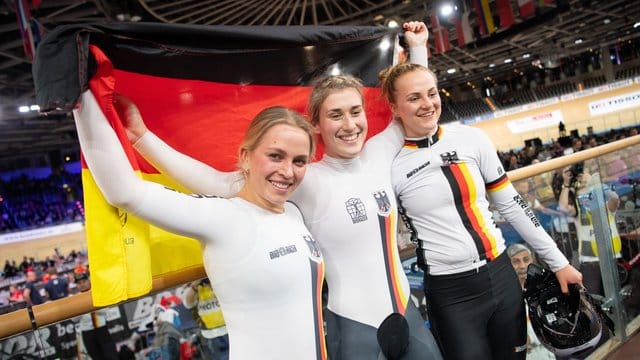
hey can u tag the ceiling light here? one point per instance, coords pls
(526, 56)
(606, 21)
(451, 71)
(492, 65)
(446, 9)
(578, 41)
(506, 61)
(335, 70)
(34, 108)
(636, 25)
(393, 24)
(23, 109)
(385, 44)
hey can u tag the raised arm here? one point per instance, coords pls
(389, 141)
(194, 175)
(416, 35)
(112, 172)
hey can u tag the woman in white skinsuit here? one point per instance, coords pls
(348, 204)
(257, 231)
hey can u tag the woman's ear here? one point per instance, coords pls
(393, 111)
(244, 161)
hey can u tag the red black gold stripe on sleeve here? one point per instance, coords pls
(498, 184)
(465, 198)
(317, 272)
(390, 249)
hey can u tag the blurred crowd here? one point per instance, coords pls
(27, 203)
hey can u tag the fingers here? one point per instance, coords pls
(414, 26)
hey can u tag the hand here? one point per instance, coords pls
(567, 175)
(568, 275)
(130, 116)
(416, 33)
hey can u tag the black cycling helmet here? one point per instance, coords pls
(565, 324)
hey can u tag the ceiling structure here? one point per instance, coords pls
(547, 38)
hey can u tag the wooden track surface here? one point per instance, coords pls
(40, 248)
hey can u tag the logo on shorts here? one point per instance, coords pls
(355, 208)
(314, 249)
(449, 158)
(384, 204)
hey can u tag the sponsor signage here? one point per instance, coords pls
(534, 122)
(615, 103)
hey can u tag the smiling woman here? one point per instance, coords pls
(445, 178)
(258, 231)
(273, 159)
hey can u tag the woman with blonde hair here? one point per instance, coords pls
(263, 262)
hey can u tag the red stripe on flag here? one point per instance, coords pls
(527, 8)
(505, 13)
(207, 120)
(440, 34)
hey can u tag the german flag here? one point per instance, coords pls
(197, 88)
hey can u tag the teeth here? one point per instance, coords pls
(349, 137)
(280, 185)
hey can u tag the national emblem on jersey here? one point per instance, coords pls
(314, 249)
(355, 208)
(449, 158)
(500, 171)
(384, 205)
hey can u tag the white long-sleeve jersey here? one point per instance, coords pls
(266, 269)
(349, 207)
(445, 183)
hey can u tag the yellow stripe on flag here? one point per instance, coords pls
(488, 17)
(128, 250)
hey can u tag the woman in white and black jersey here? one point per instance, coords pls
(444, 177)
(257, 230)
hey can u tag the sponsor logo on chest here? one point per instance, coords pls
(357, 211)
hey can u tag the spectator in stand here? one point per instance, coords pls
(521, 257)
(615, 167)
(9, 270)
(31, 294)
(94, 339)
(79, 267)
(57, 287)
(24, 265)
(205, 307)
(15, 294)
(576, 145)
(514, 163)
(557, 149)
